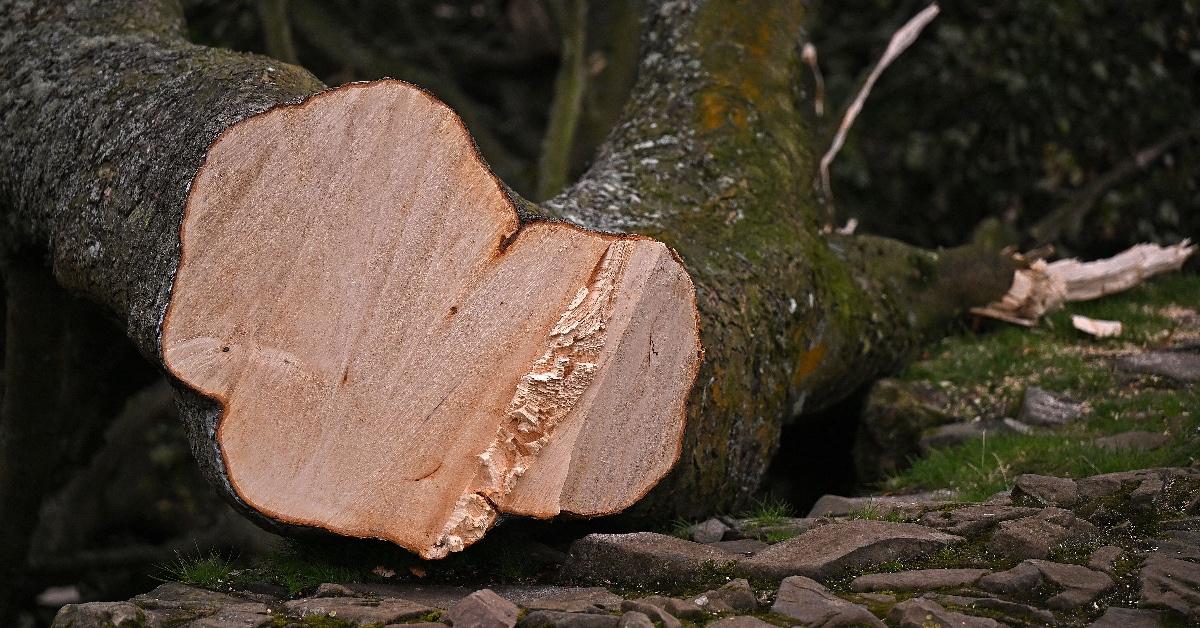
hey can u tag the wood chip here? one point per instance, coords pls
(1096, 327)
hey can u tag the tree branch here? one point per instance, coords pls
(569, 87)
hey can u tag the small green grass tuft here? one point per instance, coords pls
(777, 535)
(681, 528)
(770, 510)
(210, 571)
(298, 572)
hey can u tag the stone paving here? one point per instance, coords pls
(1119, 549)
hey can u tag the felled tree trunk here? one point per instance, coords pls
(371, 335)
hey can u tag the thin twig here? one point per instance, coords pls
(809, 56)
(900, 42)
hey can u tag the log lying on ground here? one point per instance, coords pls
(370, 335)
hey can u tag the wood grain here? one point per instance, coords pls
(396, 354)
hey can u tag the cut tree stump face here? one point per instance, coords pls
(398, 356)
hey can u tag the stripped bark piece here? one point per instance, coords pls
(1042, 288)
(1091, 280)
(398, 355)
(1096, 327)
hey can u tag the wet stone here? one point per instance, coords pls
(580, 600)
(357, 609)
(836, 505)
(973, 520)
(741, 547)
(1183, 544)
(246, 615)
(741, 621)
(1105, 558)
(116, 614)
(1023, 577)
(1171, 584)
(1182, 365)
(634, 619)
(1144, 480)
(811, 604)
(653, 612)
(683, 609)
(922, 613)
(1043, 408)
(1117, 617)
(917, 580)
(176, 596)
(558, 619)
(641, 558)
(842, 547)
(1034, 536)
(483, 609)
(1079, 585)
(734, 597)
(991, 605)
(768, 532)
(330, 589)
(709, 531)
(1043, 490)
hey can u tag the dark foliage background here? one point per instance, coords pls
(1008, 108)
(1015, 107)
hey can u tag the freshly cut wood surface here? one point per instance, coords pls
(396, 354)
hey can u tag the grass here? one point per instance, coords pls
(211, 571)
(295, 570)
(768, 511)
(985, 375)
(876, 512)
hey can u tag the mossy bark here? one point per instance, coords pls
(109, 112)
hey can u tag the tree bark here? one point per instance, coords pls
(109, 113)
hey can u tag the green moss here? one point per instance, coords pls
(294, 568)
(775, 536)
(985, 375)
(297, 571)
(324, 621)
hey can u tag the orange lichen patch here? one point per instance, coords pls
(808, 363)
(396, 355)
(717, 110)
(712, 111)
